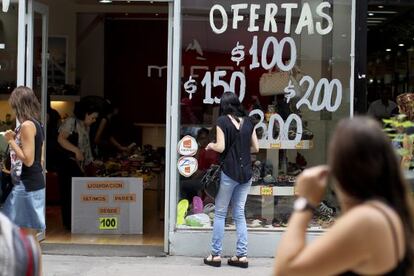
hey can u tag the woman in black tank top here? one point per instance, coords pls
(25, 205)
(375, 234)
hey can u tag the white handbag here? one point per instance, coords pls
(273, 83)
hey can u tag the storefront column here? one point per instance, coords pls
(174, 117)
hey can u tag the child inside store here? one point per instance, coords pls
(375, 203)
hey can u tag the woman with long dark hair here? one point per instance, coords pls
(76, 153)
(25, 205)
(235, 140)
(375, 234)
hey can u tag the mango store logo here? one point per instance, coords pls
(192, 46)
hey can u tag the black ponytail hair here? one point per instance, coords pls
(230, 105)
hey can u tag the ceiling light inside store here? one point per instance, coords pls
(401, 45)
(371, 14)
(384, 12)
(388, 50)
(380, 7)
(105, 1)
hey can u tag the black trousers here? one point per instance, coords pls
(68, 168)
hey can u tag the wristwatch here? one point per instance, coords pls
(302, 204)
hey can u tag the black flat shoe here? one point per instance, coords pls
(212, 261)
(235, 261)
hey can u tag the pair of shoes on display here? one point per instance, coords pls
(301, 161)
(293, 169)
(269, 180)
(238, 261)
(285, 180)
(279, 223)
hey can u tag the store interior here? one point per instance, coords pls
(116, 55)
(390, 50)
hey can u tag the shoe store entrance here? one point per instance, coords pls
(107, 87)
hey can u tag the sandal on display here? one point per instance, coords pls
(182, 208)
(213, 260)
(239, 261)
(198, 205)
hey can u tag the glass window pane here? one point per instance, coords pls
(290, 66)
(8, 61)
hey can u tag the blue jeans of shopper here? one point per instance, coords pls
(237, 193)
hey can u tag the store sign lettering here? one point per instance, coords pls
(220, 25)
(316, 95)
(104, 185)
(125, 198)
(109, 211)
(94, 198)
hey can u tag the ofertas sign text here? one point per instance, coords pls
(219, 20)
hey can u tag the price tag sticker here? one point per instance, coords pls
(108, 223)
(266, 191)
(299, 145)
(275, 146)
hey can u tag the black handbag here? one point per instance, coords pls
(211, 179)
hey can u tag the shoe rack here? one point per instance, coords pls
(267, 192)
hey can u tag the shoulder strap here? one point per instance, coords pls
(394, 232)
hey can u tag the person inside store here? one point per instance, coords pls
(192, 186)
(105, 138)
(75, 152)
(235, 140)
(52, 131)
(25, 205)
(383, 108)
(375, 233)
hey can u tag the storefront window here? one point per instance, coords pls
(289, 63)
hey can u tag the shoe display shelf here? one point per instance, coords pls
(304, 144)
(267, 192)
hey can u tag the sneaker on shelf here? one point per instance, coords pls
(256, 223)
(269, 180)
(209, 208)
(267, 168)
(257, 170)
(325, 210)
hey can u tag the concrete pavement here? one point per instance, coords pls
(59, 265)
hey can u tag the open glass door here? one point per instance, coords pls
(36, 59)
(36, 70)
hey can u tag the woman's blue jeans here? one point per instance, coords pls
(235, 192)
